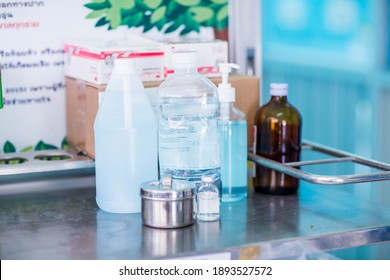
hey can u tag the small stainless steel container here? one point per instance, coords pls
(167, 207)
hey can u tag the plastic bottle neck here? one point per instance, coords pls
(188, 70)
(225, 109)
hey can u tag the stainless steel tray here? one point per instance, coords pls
(45, 171)
(42, 163)
(292, 168)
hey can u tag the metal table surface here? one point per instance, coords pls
(67, 224)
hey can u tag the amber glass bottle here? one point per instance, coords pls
(278, 137)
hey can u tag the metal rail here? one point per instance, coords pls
(291, 168)
(77, 162)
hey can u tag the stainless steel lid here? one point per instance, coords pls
(165, 191)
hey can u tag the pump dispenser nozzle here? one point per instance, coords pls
(225, 91)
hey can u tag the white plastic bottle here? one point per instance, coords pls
(125, 141)
(188, 131)
(233, 136)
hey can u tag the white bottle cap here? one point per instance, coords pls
(278, 89)
(226, 93)
(182, 59)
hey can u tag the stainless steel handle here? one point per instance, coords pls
(338, 156)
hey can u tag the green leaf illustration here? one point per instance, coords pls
(152, 4)
(130, 12)
(191, 24)
(188, 3)
(101, 22)
(210, 23)
(147, 25)
(160, 24)
(175, 25)
(64, 144)
(9, 147)
(165, 15)
(27, 149)
(133, 20)
(201, 14)
(43, 146)
(222, 13)
(219, 1)
(158, 14)
(140, 4)
(98, 5)
(114, 17)
(185, 31)
(123, 4)
(173, 8)
(96, 14)
(221, 25)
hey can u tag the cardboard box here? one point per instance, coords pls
(211, 54)
(93, 61)
(82, 103)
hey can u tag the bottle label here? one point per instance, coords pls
(189, 142)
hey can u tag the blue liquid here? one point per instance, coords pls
(233, 141)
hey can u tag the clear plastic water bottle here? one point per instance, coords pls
(208, 199)
(188, 130)
(125, 141)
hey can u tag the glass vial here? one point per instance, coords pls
(278, 137)
(208, 199)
